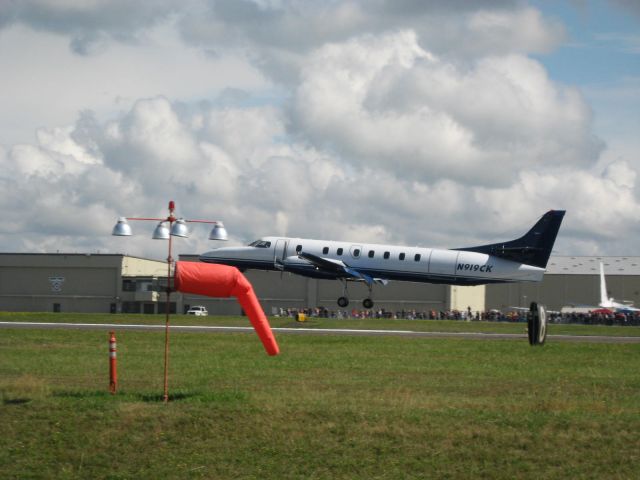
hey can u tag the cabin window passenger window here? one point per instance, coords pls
(298, 248)
(356, 252)
(339, 252)
(371, 253)
(417, 257)
(401, 256)
(325, 250)
(386, 255)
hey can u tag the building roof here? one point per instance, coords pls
(626, 265)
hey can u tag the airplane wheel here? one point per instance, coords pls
(343, 302)
(537, 324)
(367, 303)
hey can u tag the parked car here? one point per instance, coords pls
(198, 310)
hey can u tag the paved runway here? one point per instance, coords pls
(318, 331)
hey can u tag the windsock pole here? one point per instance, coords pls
(113, 372)
(165, 396)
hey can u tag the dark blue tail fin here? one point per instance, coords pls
(533, 248)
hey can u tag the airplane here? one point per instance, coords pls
(609, 302)
(521, 260)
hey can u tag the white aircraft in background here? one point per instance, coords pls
(609, 302)
(521, 260)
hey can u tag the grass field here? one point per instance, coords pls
(327, 407)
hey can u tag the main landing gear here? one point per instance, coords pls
(343, 301)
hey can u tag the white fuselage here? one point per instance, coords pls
(386, 262)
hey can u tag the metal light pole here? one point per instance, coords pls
(177, 227)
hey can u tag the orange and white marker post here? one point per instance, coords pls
(113, 371)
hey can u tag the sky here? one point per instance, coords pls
(417, 122)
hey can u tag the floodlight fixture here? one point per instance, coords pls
(122, 228)
(161, 232)
(180, 229)
(218, 232)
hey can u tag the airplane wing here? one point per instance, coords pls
(339, 268)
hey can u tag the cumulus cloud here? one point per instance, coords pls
(386, 102)
(421, 123)
(303, 25)
(214, 161)
(507, 31)
(79, 179)
(89, 24)
(44, 84)
(278, 35)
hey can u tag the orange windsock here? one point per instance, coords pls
(214, 280)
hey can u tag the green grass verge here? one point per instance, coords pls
(329, 407)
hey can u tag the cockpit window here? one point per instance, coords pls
(260, 244)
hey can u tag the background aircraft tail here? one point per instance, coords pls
(533, 248)
(604, 298)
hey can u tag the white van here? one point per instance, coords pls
(198, 310)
